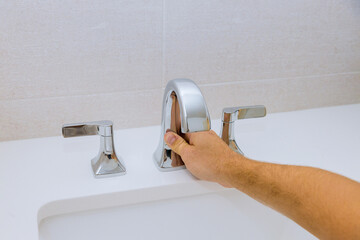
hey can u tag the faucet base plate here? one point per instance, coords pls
(107, 165)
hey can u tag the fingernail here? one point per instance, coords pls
(170, 138)
(169, 130)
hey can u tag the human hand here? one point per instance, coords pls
(312, 197)
(205, 155)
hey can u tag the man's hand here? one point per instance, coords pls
(324, 203)
(205, 156)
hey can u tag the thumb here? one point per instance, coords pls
(176, 143)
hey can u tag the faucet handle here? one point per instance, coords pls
(102, 128)
(106, 163)
(230, 115)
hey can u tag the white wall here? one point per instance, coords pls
(70, 61)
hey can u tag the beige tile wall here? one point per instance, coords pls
(70, 61)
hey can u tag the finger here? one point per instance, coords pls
(176, 143)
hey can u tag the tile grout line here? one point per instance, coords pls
(162, 88)
(277, 79)
(163, 45)
(84, 95)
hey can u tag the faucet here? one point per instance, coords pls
(106, 163)
(184, 111)
(230, 115)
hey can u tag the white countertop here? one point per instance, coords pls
(48, 176)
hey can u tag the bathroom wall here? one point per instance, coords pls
(68, 61)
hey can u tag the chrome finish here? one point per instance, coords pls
(230, 115)
(184, 111)
(106, 163)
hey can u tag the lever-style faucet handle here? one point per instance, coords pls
(106, 163)
(230, 115)
(102, 128)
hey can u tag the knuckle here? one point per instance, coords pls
(177, 144)
(186, 152)
(212, 132)
(182, 147)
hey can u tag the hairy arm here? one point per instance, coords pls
(324, 203)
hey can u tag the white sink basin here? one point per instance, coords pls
(225, 214)
(62, 200)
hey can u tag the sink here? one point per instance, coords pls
(65, 201)
(225, 214)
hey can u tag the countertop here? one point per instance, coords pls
(49, 176)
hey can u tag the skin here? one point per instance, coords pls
(324, 203)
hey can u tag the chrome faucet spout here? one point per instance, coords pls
(184, 111)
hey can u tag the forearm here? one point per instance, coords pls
(324, 203)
